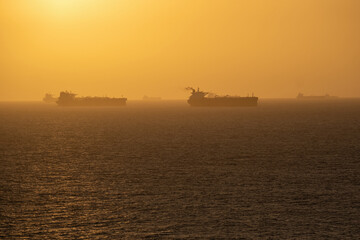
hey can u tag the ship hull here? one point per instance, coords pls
(224, 102)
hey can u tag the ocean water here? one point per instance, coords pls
(284, 170)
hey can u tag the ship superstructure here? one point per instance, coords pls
(204, 99)
(70, 99)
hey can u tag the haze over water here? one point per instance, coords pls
(157, 48)
(284, 170)
(287, 169)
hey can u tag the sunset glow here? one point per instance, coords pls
(179, 119)
(272, 48)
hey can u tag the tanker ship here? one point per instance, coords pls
(301, 96)
(204, 99)
(70, 99)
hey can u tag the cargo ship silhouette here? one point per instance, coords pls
(301, 96)
(147, 98)
(70, 99)
(204, 99)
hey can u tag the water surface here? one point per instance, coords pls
(284, 170)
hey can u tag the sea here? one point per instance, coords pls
(287, 169)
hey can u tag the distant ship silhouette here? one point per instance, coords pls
(324, 97)
(70, 99)
(147, 98)
(204, 99)
(49, 98)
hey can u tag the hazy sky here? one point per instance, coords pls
(133, 48)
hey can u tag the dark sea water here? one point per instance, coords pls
(284, 170)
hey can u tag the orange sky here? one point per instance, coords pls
(136, 47)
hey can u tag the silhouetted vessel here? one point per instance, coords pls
(147, 98)
(49, 98)
(324, 97)
(204, 99)
(70, 99)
